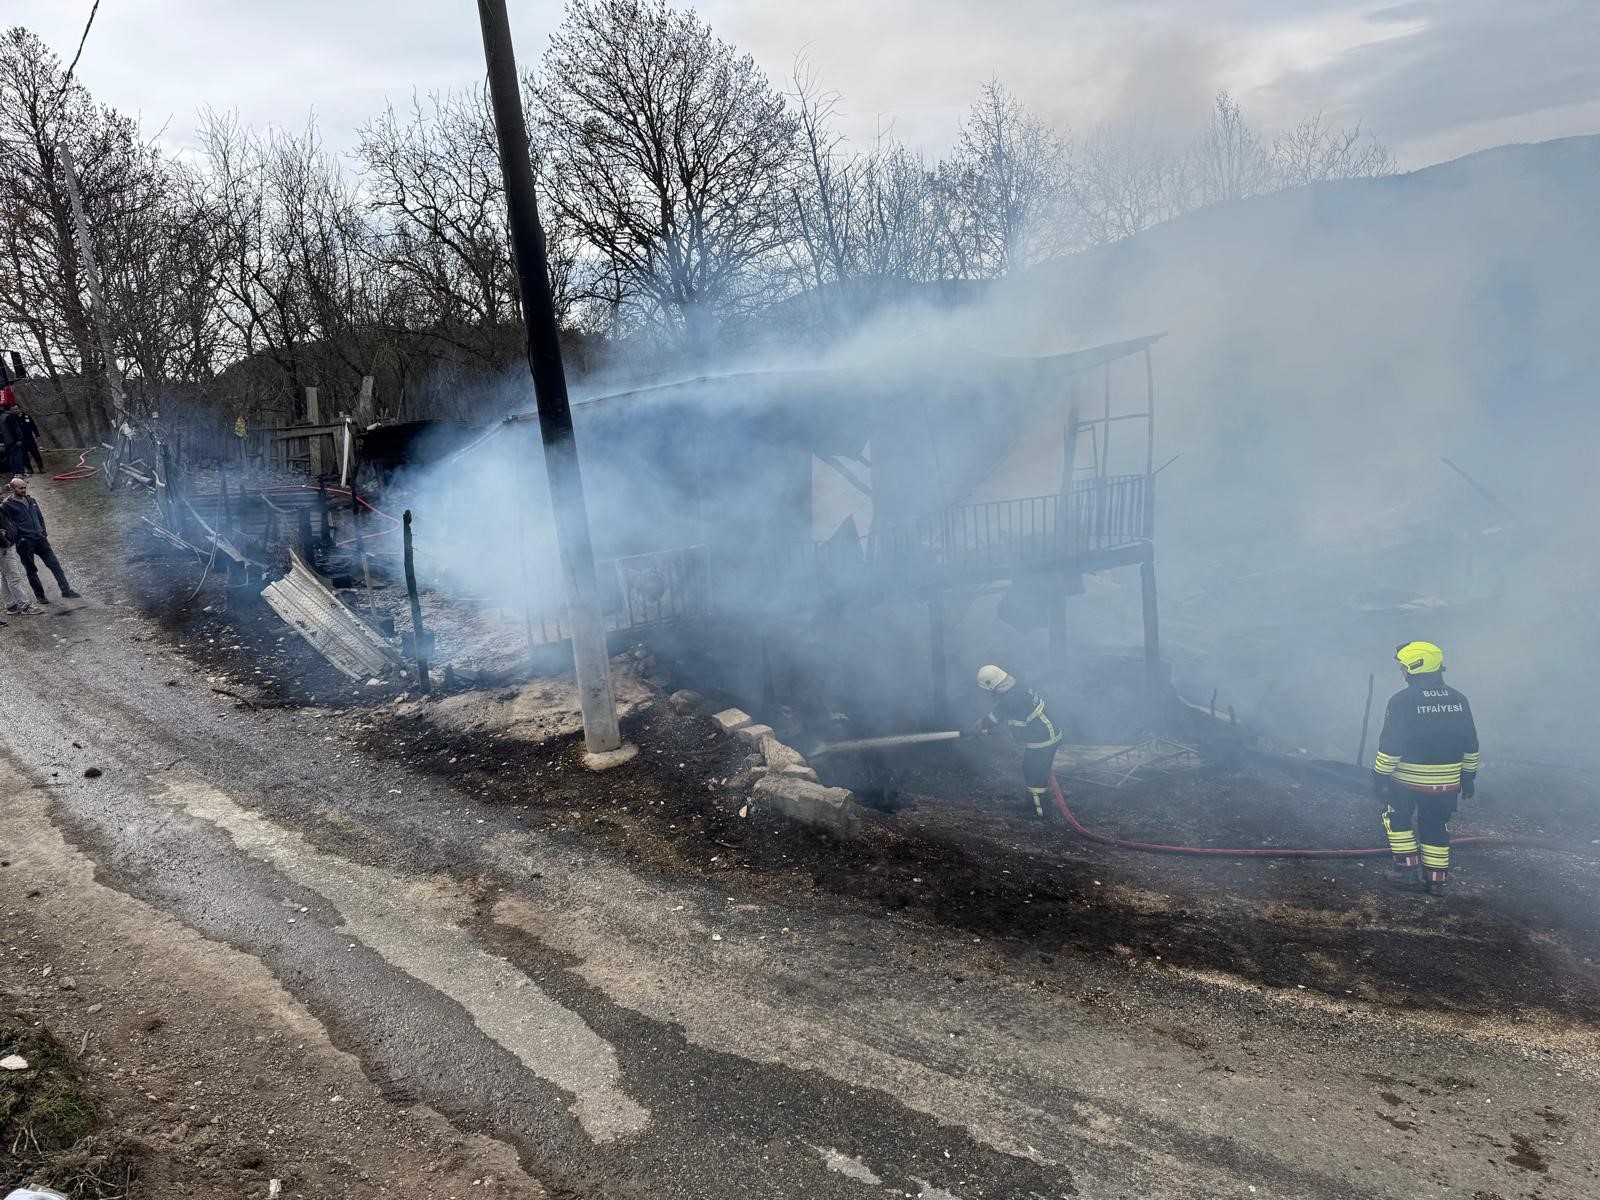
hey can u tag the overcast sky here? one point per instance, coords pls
(1433, 78)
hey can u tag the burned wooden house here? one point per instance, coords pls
(860, 529)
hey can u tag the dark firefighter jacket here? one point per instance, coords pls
(1428, 740)
(1023, 712)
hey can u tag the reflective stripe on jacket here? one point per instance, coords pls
(1429, 739)
(1022, 709)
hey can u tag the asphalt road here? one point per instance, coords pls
(634, 1035)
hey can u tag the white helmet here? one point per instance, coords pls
(993, 679)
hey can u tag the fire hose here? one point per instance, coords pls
(1104, 839)
(82, 471)
(1218, 852)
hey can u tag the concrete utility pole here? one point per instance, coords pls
(97, 297)
(590, 657)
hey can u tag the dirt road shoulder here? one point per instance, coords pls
(220, 1078)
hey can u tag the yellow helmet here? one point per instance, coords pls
(1419, 658)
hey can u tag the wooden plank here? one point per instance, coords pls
(314, 417)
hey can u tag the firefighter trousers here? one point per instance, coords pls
(1418, 826)
(1037, 764)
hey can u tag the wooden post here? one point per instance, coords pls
(419, 638)
(361, 546)
(169, 490)
(1152, 628)
(1150, 446)
(308, 547)
(1105, 446)
(1366, 720)
(314, 442)
(327, 516)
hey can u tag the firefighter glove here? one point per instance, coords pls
(1380, 786)
(1469, 785)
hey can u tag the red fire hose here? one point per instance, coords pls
(1215, 852)
(82, 471)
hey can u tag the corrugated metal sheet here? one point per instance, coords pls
(336, 633)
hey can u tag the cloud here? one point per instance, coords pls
(1468, 64)
(1430, 77)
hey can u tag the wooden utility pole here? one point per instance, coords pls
(420, 645)
(314, 442)
(590, 657)
(97, 297)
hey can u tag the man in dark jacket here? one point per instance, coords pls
(33, 541)
(1427, 760)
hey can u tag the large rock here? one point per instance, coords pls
(778, 756)
(833, 809)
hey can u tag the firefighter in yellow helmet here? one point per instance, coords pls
(1022, 711)
(1427, 760)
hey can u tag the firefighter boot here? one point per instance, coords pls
(1403, 873)
(1435, 866)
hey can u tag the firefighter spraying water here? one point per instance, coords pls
(1022, 711)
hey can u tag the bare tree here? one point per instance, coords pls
(434, 179)
(1312, 152)
(866, 224)
(670, 155)
(296, 283)
(1009, 180)
(1228, 161)
(828, 188)
(1120, 187)
(122, 181)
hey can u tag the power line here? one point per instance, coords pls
(73, 66)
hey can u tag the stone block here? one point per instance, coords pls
(778, 756)
(754, 733)
(731, 719)
(832, 809)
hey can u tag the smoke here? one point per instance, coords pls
(1327, 348)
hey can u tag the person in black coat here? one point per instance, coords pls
(31, 458)
(13, 433)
